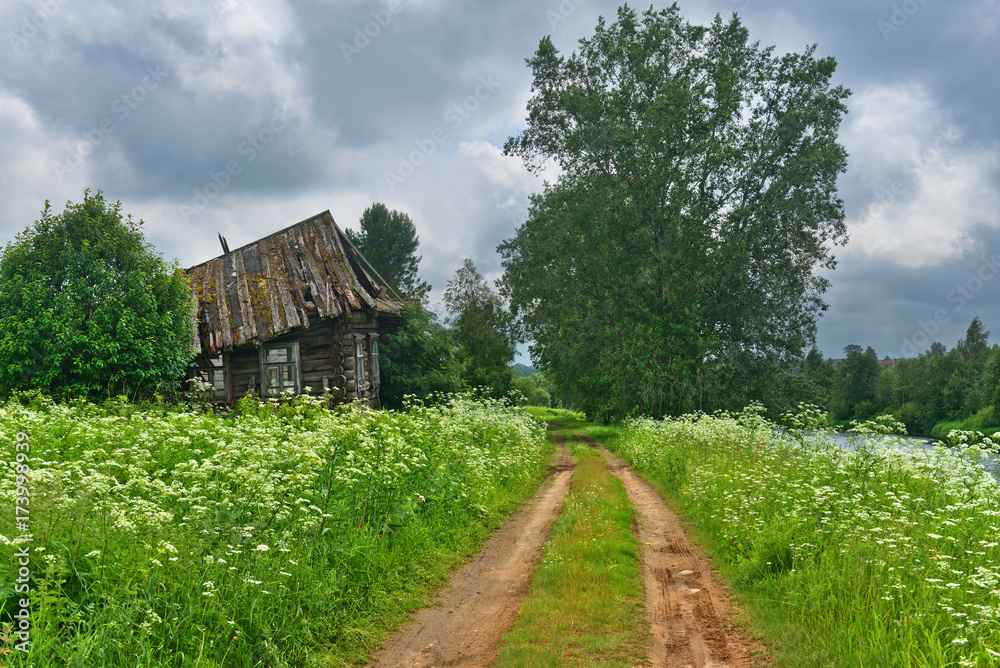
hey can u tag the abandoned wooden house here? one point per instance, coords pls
(293, 312)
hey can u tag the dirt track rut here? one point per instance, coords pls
(483, 596)
(689, 613)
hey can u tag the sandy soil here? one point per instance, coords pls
(483, 597)
(689, 612)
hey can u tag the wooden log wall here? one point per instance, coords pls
(326, 359)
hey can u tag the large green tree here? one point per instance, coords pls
(418, 359)
(482, 329)
(88, 308)
(388, 239)
(975, 346)
(673, 264)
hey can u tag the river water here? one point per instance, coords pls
(913, 444)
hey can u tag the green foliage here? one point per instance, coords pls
(854, 385)
(88, 308)
(671, 267)
(535, 390)
(844, 557)
(417, 360)
(388, 239)
(932, 393)
(279, 537)
(521, 370)
(483, 330)
(975, 346)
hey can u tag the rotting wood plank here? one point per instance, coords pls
(259, 291)
(248, 328)
(223, 306)
(311, 272)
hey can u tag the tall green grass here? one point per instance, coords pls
(870, 557)
(297, 537)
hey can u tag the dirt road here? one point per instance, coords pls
(688, 611)
(482, 599)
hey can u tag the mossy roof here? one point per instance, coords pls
(272, 285)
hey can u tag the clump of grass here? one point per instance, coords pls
(165, 537)
(872, 555)
(585, 606)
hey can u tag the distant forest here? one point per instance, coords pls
(937, 391)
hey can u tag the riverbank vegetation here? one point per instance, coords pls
(932, 394)
(297, 536)
(842, 557)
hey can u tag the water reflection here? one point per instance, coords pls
(909, 444)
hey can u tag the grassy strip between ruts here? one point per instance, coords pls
(585, 606)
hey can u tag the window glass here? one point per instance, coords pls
(280, 368)
(276, 355)
(213, 375)
(217, 378)
(359, 364)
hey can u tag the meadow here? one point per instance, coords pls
(862, 557)
(290, 536)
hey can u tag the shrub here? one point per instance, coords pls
(88, 308)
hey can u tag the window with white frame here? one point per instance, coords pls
(376, 371)
(361, 378)
(279, 368)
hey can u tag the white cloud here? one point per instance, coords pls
(926, 192)
(27, 177)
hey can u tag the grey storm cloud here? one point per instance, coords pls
(244, 116)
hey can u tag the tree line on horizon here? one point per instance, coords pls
(939, 388)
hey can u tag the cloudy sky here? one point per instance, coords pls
(245, 116)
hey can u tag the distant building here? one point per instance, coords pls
(291, 311)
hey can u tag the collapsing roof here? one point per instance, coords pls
(272, 285)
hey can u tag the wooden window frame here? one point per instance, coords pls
(360, 370)
(295, 363)
(376, 367)
(207, 372)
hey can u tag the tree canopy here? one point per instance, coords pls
(88, 308)
(673, 264)
(418, 359)
(482, 329)
(388, 239)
